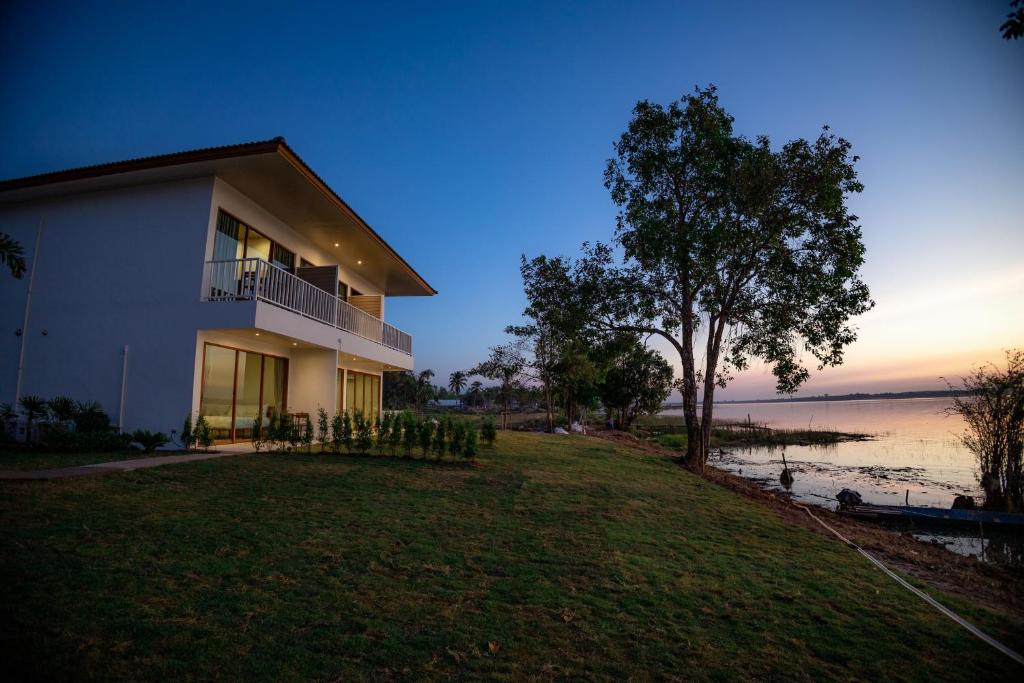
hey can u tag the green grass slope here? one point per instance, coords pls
(571, 556)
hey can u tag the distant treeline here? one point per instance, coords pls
(944, 393)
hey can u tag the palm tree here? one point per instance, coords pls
(423, 387)
(475, 389)
(11, 255)
(457, 382)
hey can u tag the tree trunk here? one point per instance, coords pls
(694, 455)
(548, 398)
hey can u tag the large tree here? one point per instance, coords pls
(505, 364)
(730, 245)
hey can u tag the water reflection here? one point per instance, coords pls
(915, 457)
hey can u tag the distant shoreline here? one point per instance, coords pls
(838, 397)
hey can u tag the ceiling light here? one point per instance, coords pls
(257, 334)
(336, 244)
(295, 343)
(359, 263)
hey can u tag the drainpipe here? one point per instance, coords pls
(124, 388)
(28, 309)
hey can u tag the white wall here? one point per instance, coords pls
(115, 267)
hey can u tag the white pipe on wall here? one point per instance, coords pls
(28, 309)
(124, 388)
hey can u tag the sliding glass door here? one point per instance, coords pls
(362, 393)
(239, 386)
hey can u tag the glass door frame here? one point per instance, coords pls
(234, 386)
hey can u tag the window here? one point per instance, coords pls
(362, 393)
(235, 240)
(239, 386)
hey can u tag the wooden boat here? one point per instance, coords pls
(1004, 520)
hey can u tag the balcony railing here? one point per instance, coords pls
(253, 278)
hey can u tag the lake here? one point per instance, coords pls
(915, 454)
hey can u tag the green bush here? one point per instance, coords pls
(306, 436)
(90, 417)
(337, 427)
(322, 433)
(204, 437)
(188, 438)
(469, 450)
(364, 433)
(489, 431)
(458, 434)
(425, 433)
(347, 439)
(90, 442)
(408, 433)
(62, 408)
(383, 432)
(440, 438)
(150, 441)
(257, 436)
(399, 425)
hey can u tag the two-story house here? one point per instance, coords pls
(231, 282)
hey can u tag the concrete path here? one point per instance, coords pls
(116, 466)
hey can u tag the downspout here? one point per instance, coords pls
(28, 309)
(124, 389)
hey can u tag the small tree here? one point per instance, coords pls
(347, 439)
(505, 364)
(489, 431)
(409, 422)
(384, 426)
(399, 424)
(258, 433)
(337, 429)
(204, 436)
(293, 433)
(364, 433)
(993, 408)
(426, 436)
(307, 435)
(188, 438)
(458, 434)
(440, 439)
(150, 441)
(62, 408)
(471, 447)
(34, 407)
(323, 434)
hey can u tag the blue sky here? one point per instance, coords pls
(470, 133)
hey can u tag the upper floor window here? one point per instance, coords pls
(235, 240)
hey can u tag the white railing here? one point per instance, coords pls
(253, 278)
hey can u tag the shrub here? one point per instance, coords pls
(364, 433)
(409, 432)
(489, 431)
(293, 433)
(34, 407)
(188, 437)
(204, 437)
(90, 417)
(307, 435)
(336, 429)
(469, 450)
(346, 432)
(440, 438)
(458, 433)
(150, 441)
(399, 426)
(62, 408)
(272, 434)
(322, 433)
(383, 431)
(257, 434)
(426, 436)
(90, 442)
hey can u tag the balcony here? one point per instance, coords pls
(254, 279)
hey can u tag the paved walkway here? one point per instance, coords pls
(117, 465)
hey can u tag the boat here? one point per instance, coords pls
(1009, 521)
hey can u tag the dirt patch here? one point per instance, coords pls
(998, 588)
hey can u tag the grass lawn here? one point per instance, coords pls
(573, 557)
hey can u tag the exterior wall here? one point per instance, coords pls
(249, 212)
(312, 375)
(115, 268)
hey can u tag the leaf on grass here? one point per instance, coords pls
(493, 647)
(567, 615)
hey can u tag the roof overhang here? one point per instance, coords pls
(269, 173)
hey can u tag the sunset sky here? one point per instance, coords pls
(470, 133)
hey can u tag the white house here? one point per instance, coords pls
(229, 281)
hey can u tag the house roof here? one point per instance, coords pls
(267, 170)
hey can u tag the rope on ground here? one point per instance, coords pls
(919, 593)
